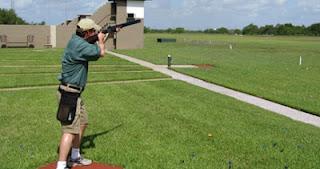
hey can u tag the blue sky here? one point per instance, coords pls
(191, 14)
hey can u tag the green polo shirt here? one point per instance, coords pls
(75, 60)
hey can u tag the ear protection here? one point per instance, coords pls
(80, 32)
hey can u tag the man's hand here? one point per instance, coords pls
(101, 37)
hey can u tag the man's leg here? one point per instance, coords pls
(78, 138)
(65, 145)
(70, 132)
(82, 130)
(76, 157)
(75, 153)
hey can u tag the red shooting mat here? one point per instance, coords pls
(92, 166)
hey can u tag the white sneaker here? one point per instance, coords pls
(80, 161)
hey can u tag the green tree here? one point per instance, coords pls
(169, 30)
(267, 30)
(285, 29)
(237, 31)
(35, 23)
(314, 29)
(10, 17)
(300, 30)
(250, 30)
(147, 30)
(179, 30)
(222, 30)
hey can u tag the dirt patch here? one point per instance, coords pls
(204, 66)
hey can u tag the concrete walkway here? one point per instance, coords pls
(262, 103)
(179, 66)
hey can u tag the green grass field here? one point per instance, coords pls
(267, 67)
(39, 68)
(159, 124)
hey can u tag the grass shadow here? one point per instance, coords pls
(88, 141)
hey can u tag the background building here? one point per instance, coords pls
(57, 36)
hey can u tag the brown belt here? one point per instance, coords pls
(71, 86)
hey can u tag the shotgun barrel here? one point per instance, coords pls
(110, 29)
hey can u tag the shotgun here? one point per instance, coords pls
(110, 29)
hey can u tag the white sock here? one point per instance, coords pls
(61, 164)
(75, 153)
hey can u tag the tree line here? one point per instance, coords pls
(251, 29)
(9, 17)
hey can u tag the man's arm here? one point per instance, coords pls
(101, 45)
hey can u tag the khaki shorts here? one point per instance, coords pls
(81, 117)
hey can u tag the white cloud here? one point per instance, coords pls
(164, 4)
(310, 5)
(22, 3)
(280, 2)
(248, 6)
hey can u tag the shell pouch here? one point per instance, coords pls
(67, 107)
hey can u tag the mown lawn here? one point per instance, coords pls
(27, 67)
(267, 67)
(160, 124)
(157, 125)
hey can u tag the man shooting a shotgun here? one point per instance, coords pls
(73, 78)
